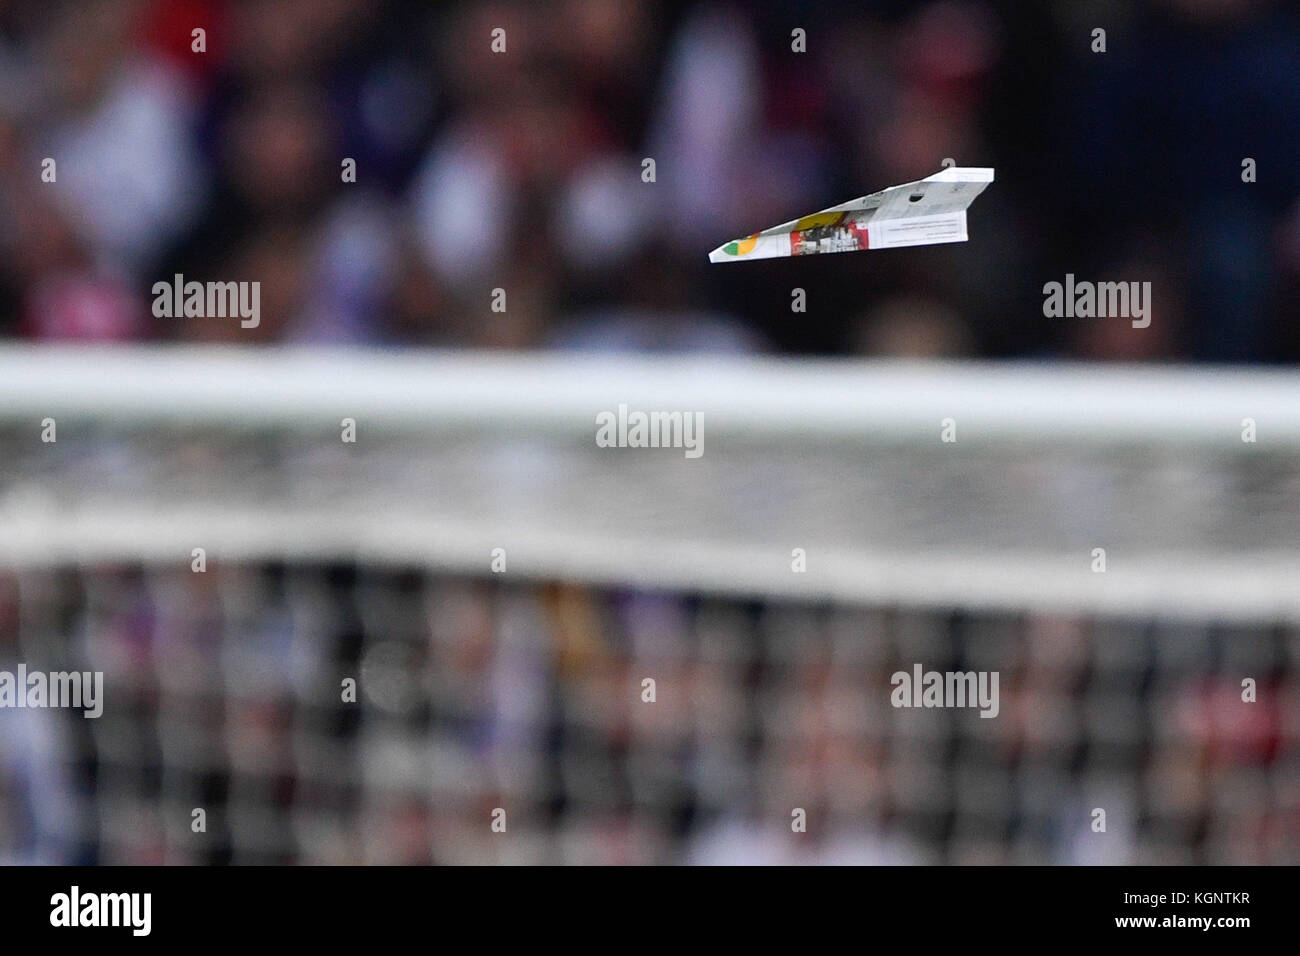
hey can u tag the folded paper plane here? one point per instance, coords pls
(923, 213)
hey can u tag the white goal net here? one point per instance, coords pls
(231, 536)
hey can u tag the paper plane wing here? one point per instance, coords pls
(923, 213)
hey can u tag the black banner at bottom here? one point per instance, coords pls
(336, 906)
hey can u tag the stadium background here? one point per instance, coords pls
(522, 172)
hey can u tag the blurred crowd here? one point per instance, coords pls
(522, 170)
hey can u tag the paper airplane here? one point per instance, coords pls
(923, 213)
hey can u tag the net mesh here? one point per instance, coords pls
(224, 694)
